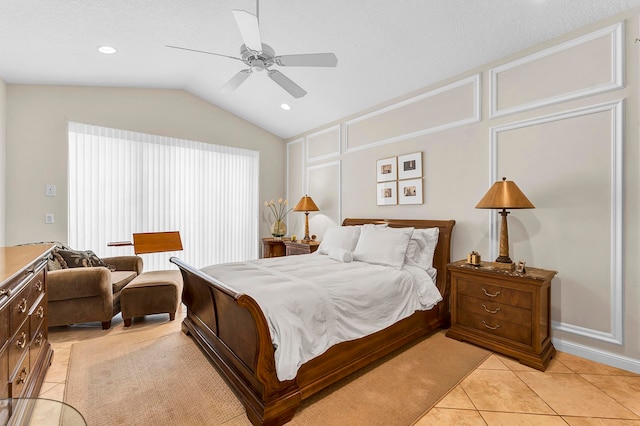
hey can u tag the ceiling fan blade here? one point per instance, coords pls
(249, 29)
(236, 81)
(287, 84)
(308, 60)
(202, 51)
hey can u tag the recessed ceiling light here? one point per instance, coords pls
(285, 107)
(107, 50)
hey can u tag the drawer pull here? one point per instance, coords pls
(23, 376)
(22, 341)
(39, 285)
(39, 339)
(489, 294)
(5, 292)
(491, 327)
(22, 306)
(494, 311)
(40, 312)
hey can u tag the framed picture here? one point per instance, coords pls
(410, 191)
(387, 169)
(387, 193)
(410, 166)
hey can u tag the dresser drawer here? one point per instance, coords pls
(19, 379)
(4, 325)
(18, 346)
(37, 316)
(19, 309)
(491, 325)
(487, 291)
(36, 288)
(494, 310)
(36, 345)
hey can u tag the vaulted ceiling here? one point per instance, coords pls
(385, 48)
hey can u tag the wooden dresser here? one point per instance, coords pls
(25, 352)
(273, 247)
(504, 311)
(298, 247)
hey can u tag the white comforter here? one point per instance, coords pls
(312, 302)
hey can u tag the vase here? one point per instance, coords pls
(278, 229)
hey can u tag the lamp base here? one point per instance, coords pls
(504, 266)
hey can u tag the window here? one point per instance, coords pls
(121, 182)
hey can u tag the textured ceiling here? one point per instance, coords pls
(385, 48)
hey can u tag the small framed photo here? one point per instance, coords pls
(410, 191)
(387, 193)
(387, 170)
(410, 166)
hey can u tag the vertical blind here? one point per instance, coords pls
(121, 182)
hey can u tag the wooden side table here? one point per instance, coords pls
(298, 247)
(273, 247)
(503, 311)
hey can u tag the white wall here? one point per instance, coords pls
(37, 119)
(561, 120)
(3, 163)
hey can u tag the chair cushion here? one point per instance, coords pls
(119, 279)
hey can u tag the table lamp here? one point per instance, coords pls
(306, 205)
(504, 195)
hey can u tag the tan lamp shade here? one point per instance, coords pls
(504, 194)
(306, 205)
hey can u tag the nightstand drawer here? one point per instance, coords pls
(494, 310)
(491, 292)
(492, 325)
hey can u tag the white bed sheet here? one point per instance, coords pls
(312, 302)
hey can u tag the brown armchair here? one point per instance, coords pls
(91, 294)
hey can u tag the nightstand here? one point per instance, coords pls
(273, 247)
(298, 247)
(503, 311)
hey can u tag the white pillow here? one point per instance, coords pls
(339, 237)
(383, 246)
(373, 225)
(421, 248)
(341, 255)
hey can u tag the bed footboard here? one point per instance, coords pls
(232, 329)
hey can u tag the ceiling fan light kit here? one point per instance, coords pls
(259, 57)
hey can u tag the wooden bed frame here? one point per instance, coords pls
(233, 331)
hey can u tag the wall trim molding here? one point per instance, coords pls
(320, 166)
(326, 156)
(616, 109)
(474, 79)
(302, 166)
(617, 71)
(597, 355)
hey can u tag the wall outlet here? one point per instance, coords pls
(50, 190)
(48, 218)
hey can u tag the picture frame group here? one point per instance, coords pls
(400, 180)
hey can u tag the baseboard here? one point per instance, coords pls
(597, 355)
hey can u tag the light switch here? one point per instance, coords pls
(48, 218)
(50, 190)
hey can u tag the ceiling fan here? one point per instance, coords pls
(259, 56)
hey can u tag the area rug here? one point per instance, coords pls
(120, 380)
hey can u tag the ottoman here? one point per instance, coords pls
(153, 292)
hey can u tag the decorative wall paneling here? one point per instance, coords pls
(324, 185)
(450, 106)
(558, 74)
(570, 198)
(295, 180)
(324, 144)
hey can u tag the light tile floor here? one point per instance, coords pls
(572, 391)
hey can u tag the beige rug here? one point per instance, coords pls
(120, 380)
